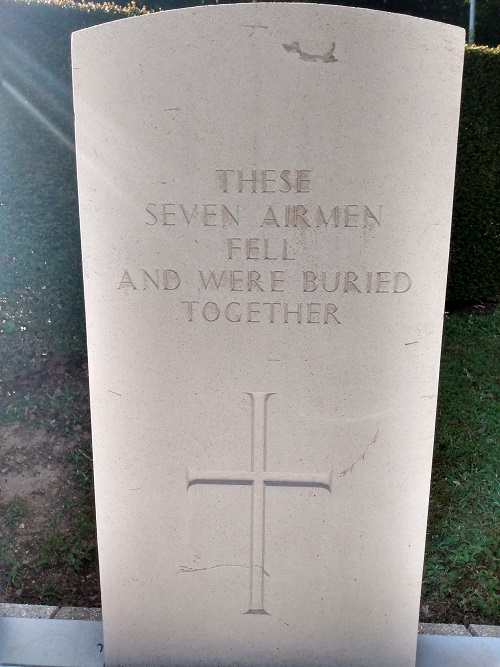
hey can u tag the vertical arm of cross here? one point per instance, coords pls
(258, 518)
(258, 478)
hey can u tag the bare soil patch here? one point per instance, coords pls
(48, 552)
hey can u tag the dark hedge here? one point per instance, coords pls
(41, 292)
(474, 272)
(456, 12)
(41, 295)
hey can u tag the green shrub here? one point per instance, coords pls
(474, 259)
(41, 293)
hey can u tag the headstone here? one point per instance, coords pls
(265, 197)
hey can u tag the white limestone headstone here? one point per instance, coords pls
(265, 197)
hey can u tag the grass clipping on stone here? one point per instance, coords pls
(48, 552)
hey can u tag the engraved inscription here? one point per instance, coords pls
(206, 215)
(262, 231)
(241, 281)
(264, 180)
(301, 216)
(255, 303)
(270, 312)
(259, 478)
(258, 249)
(376, 282)
(159, 279)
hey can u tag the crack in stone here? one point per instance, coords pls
(185, 568)
(362, 457)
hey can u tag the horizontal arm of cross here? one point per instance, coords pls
(218, 477)
(322, 480)
(318, 480)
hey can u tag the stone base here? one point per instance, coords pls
(50, 643)
(29, 637)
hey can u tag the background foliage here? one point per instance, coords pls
(462, 566)
(487, 24)
(475, 249)
(41, 292)
(41, 295)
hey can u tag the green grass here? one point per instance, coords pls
(63, 409)
(462, 567)
(50, 561)
(10, 564)
(14, 511)
(73, 548)
(64, 545)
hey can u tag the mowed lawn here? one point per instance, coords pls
(462, 566)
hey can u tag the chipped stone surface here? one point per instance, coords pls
(265, 197)
(443, 629)
(27, 610)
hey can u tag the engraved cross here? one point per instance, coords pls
(258, 478)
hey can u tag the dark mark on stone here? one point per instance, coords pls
(245, 25)
(412, 343)
(114, 392)
(429, 226)
(294, 47)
